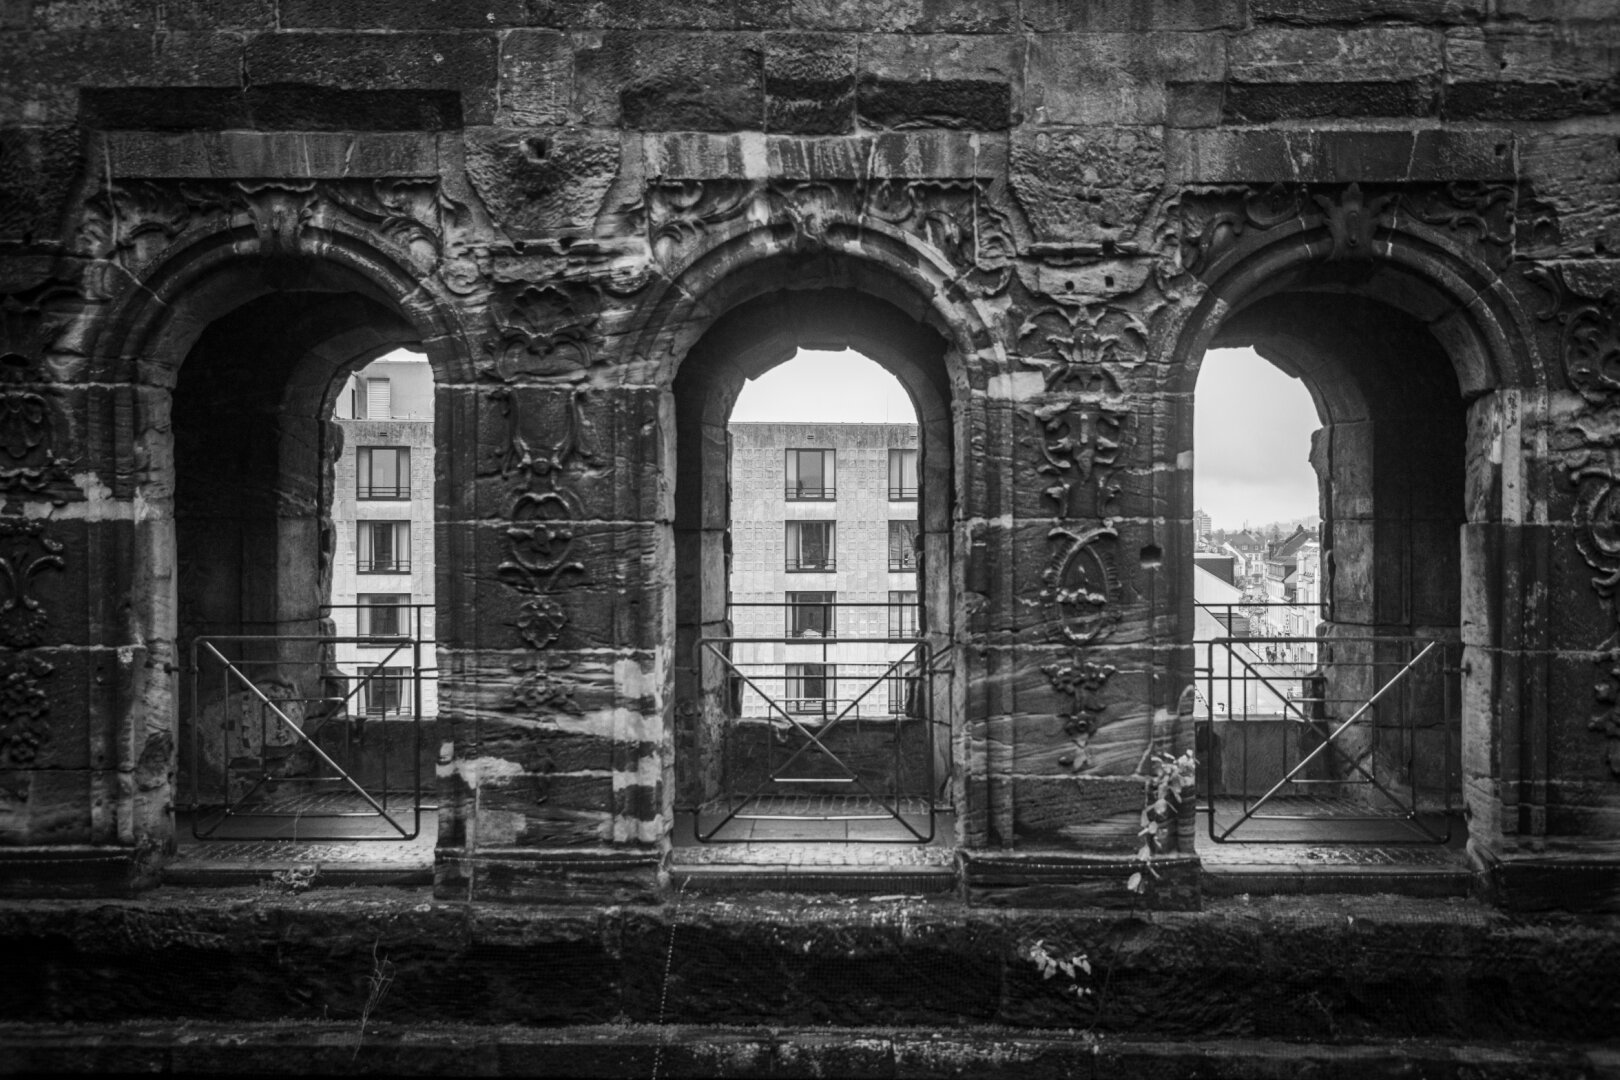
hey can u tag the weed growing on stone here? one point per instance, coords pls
(294, 879)
(380, 979)
(1170, 777)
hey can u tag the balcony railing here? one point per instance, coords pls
(804, 565)
(383, 566)
(394, 492)
(902, 564)
(810, 494)
(902, 494)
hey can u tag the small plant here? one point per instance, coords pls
(1072, 968)
(1169, 778)
(380, 979)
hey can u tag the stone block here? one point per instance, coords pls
(1266, 102)
(1370, 155)
(908, 16)
(563, 877)
(95, 15)
(216, 15)
(810, 83)
(387, 15)
(1530, 72)
(537, 73)
(543, 181)
(46, 71)
(47, 806)
(938, 81)
(1372, 54)
(1578, 178)
(614, 475)
(618, 598)
(1578, 746)
(1092, 814)
(463, 62)
(1133, 16)
(1087, 185)
(670, 81)
(37, 169)
(538, 810)
(1347, 12)
(1113, 78)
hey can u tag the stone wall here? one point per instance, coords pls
(597, 220)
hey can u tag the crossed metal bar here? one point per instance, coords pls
(307, 737)
(718, 647)
(1251, 811)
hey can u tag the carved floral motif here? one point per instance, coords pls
(1082, 681)
(28, 459)
(25, 552)
(542, 519)
(25, 709)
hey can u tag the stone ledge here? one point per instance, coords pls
(633, 1050)
(1339, 155)
(308, 155)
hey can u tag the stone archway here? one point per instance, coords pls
(750, 339)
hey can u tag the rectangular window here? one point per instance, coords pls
(902, 614)
(384, 547)
(810, 475)
(810, 545)
(902, 546)
(810, 688)
(383, 615)
(902, 475)
(379, 400)
(384, 472)
(382, 690)
(811, 614)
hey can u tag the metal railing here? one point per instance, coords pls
(391, 492)
(800, 566)
(867, 733)
(284, 744)
(810, 494)
(902, 494)
(367, 565)
(1310, 739)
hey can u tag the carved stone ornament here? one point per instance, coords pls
(1082, 587)
(25, 552)
(542, 519)
(28, 459)
(25, 709)
(1589, 334)
(1082, 682)
(1080, 443)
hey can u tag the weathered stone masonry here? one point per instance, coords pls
(597, 220)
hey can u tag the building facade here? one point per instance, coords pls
(383, 568)
(824, 529)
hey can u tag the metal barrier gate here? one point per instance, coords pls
(832, 720)
(1342, 739)
(285, 746)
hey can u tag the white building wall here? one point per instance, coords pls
(411, 426)
(861, 513)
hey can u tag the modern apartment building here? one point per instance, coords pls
(823, 533)
(382, 512)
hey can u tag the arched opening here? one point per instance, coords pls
(304, 697)
(1350, 731)
(740, 559)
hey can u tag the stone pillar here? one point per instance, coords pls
(555, 786)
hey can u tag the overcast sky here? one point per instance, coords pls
(1252, 442)
(1253, 424)
(830, 387)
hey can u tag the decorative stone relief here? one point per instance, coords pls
(1589, 353)
(28, 433)
(1080, 443)
(542, 519)
(1082, 681)
(1082, 584)
(25, 552)
(25, 709)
